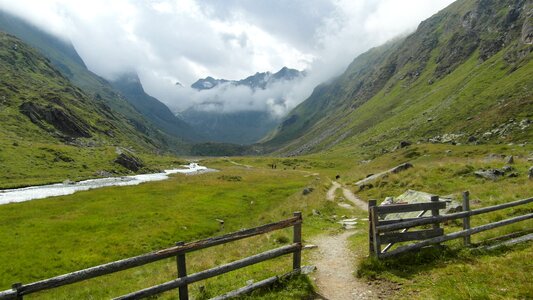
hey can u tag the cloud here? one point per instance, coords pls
(166, 41)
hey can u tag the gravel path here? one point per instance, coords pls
(335, 265)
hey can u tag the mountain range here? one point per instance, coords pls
(261, 80)
(240, 126)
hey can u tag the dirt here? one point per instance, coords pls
(335, 265)
(348, 195)
(335, 262)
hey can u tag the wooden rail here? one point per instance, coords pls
(386, 231)
(19, 290)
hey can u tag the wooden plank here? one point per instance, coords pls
(466, 220)
(443, 218)
(8, 295)
(375, 234)
(387, 222)
(169, 285)
(457, 234)
(143, 259)
(387, 248)
(371, 203)
(254, 286)
(297, 239)
(397, 237)
(398, 208)
(182, 272)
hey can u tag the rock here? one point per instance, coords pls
(368, 175)
(307, 190)
(512, 175)
(472, 139)
(404, 144)
(530, 173)
(365, 186)
(509, 159)
(129, 162)
(388, 201)
(62, 119)
(401, 167)
(316, 212)
(250, 282)
(103, 173)
(448, 151)
(491, 174)
(507, 169)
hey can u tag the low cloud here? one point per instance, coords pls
(169, 41)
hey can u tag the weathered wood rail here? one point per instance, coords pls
(19, 290)
(395, 231)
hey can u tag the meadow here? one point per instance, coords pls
(45, 238)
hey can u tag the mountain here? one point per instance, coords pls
(238, 127)
(464, 76)
(50, 126)
(257, 81)
(64, 58)
(152, 109)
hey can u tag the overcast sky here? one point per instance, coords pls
(167, 41)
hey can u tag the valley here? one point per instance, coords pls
(451, 103)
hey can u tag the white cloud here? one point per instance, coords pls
(182, 40)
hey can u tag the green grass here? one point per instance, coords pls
(48, 237)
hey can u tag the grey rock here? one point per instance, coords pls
(512, 175)
(308, 190)
(129, 162)
(404, 144)
(491, 174)
(509, 159)
(507, 169)
(316, 212)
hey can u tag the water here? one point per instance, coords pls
(61, 189)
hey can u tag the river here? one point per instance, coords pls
(67, 188)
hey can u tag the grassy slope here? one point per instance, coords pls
(407, 84)
(64, 58)
(32, 154)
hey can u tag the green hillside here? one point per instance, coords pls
(64, 58)
(463, 76)
(50, 128)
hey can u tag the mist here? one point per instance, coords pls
(168, 41)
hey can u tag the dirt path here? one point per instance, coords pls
(240, 165)
(348, 195)
(335, 265)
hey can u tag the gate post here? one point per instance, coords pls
(466, 220)
(371, 203)
(297, 239)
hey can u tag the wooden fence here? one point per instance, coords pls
(19, 290)
(389, 232)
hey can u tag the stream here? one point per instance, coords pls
(67, 188)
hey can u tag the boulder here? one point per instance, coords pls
(404, 144)
(491, 174)
(507, 169)
(129, 161)
(509, 159)
(308, 190)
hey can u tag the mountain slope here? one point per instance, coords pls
(49, 126)
(245, 126)
(152, 109)
(64, 57)
(466, 71)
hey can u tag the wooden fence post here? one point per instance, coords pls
(297, 239)
(466, 220)
(16, 287)
(182, 272)
(435, 211)
(371, 203)
(375, 233)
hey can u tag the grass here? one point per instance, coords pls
(48, 237)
